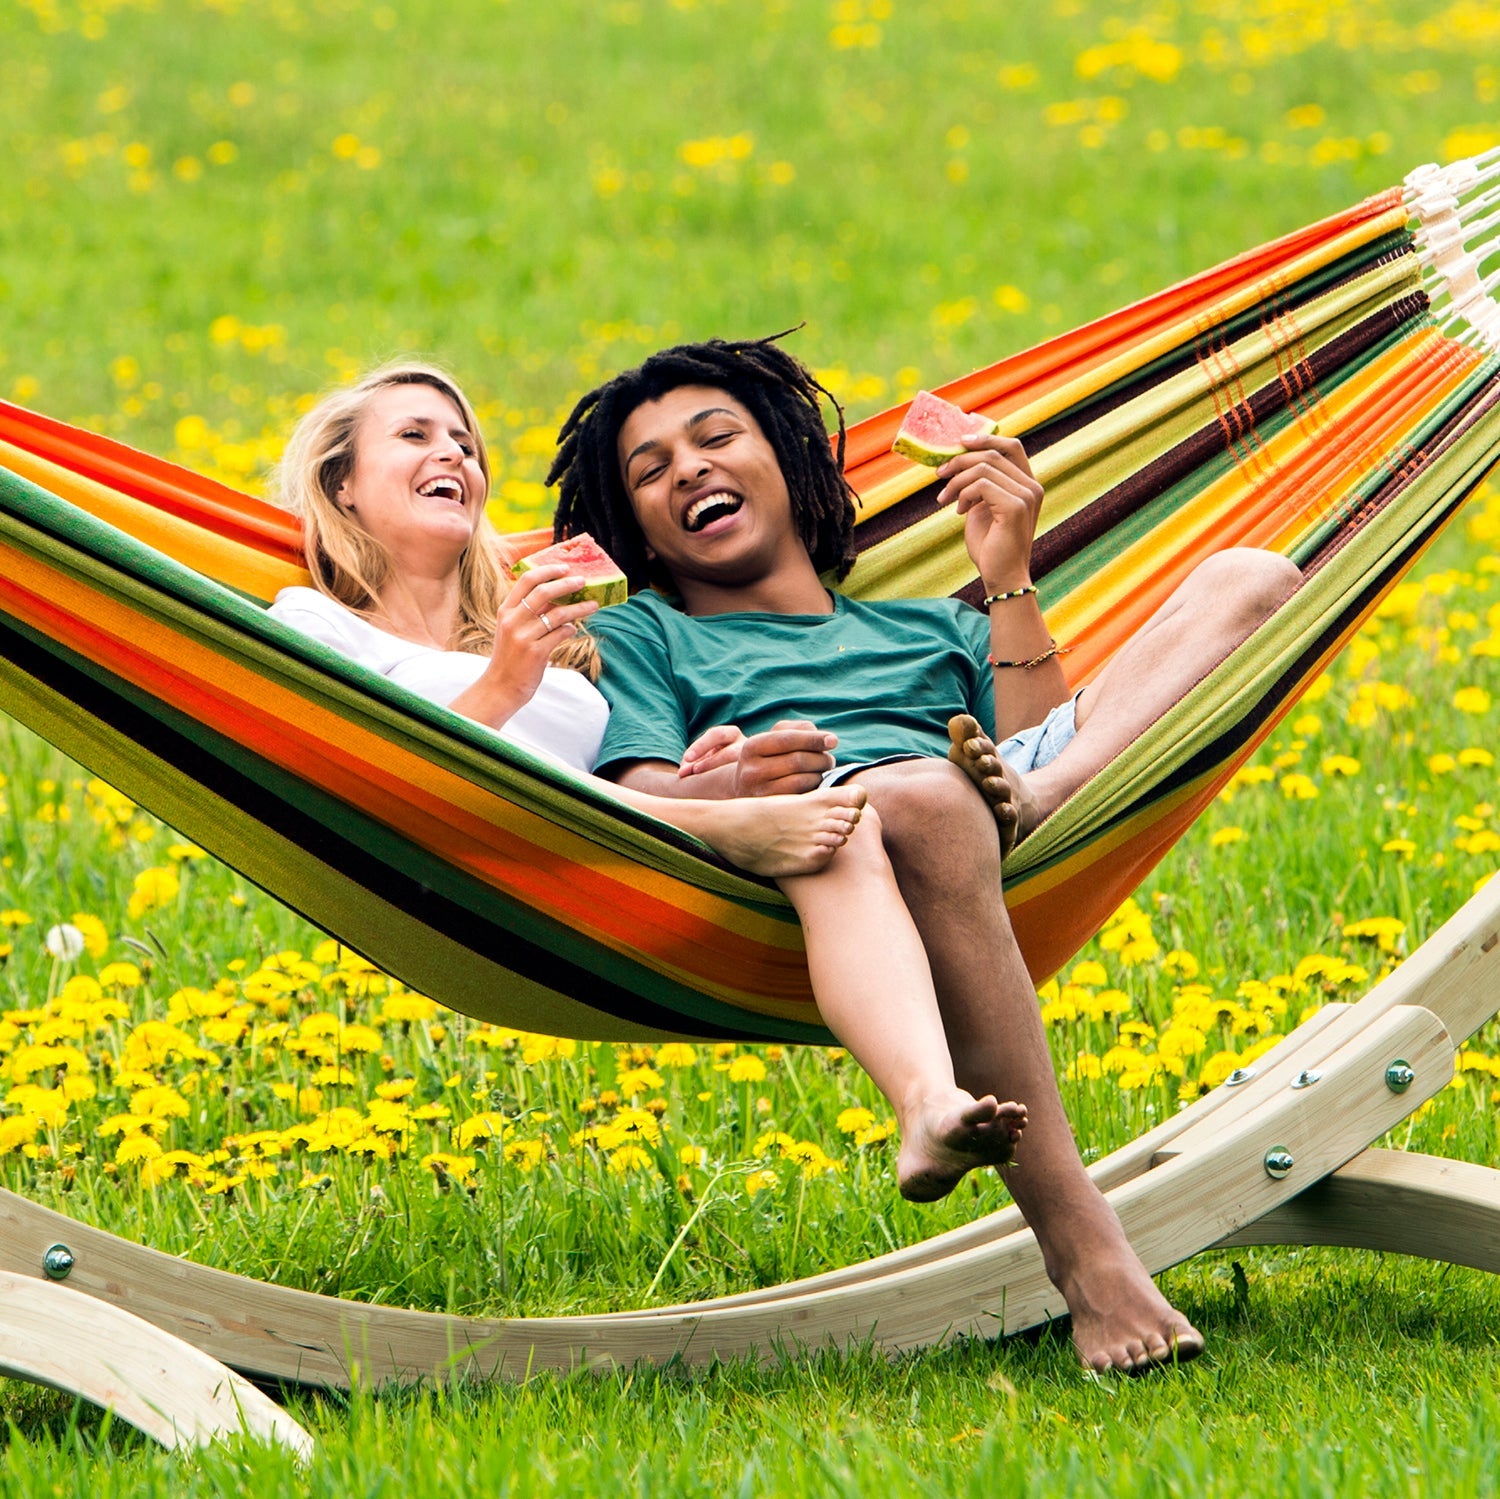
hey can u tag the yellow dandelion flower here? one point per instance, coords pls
(1471, 700)
(1385, 931)
(1090, 971)
(1181, 963)
(1475, 756)
(95, 936)
(676, 1054)
(526, 1155)
(747, 1069)
(159, 1102)
(18, 1130)
(758, 1181)
(362, 1038)
(638, 1080)
(1298, 787)
(811, 1157)
(1340, 765)
(403, 1009)
(486, 1126)
(629, 1158)
(1402, 847)
(458, 1168)
(851, 1121)
(137, 1147)
(1180, 1041)
(153, 888)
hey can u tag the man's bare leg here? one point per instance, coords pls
(1218, 605)
(942, 844)
(874, 989)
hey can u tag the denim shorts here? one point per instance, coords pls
(1043, 742)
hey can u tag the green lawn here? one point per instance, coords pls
(214, 209)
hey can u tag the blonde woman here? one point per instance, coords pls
(390, 478)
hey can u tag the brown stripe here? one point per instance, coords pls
(1296, 384)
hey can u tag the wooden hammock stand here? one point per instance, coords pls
(1279, 1154)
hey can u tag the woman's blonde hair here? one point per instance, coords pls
(346, 562)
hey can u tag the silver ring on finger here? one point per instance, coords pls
(546, 624)
(526, 605)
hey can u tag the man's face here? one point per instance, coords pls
(707, 489)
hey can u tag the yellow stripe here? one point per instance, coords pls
(1023, 418)
(229, 562)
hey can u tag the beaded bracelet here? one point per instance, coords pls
(1052, 650)
(1014, 593)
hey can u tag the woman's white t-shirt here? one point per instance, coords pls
(564, 720)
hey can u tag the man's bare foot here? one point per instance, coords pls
(973, 751)
(776, 836)
(1121, 1322)
(942, 1140)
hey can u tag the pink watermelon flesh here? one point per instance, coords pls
(603, 580)
(934, 429)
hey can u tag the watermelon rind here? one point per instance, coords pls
(928, 409)
(604, 582)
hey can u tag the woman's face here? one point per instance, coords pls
(416, 485)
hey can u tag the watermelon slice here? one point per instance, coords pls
(934, 429)
(603, 579)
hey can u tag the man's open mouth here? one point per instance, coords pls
(710, 508)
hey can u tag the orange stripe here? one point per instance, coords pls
(676, 928)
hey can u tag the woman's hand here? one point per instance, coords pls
(1000, 500)
(720, 745)
(530, 624)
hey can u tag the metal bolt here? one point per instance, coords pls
(1278, 1162)
(57, 1262)
(1306, 1078)
(1399, 1076)
(1238, 1076)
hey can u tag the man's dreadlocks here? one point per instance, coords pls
(777, 389)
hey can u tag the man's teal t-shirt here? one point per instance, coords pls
(885, 677)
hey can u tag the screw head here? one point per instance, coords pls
(1278, 1162)
(1399, 1076)
(1306, 1078)
(57, 1262)
(1238, 1076)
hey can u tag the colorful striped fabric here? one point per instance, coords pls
(1299, 397)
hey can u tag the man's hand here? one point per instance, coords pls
(1000, 500)
(790, 758)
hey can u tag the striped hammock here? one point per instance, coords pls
(1303, 397)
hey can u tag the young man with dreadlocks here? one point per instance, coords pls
(708, 472)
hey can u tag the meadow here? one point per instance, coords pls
(215, 209)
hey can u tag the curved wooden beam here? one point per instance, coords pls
(158, 1383)
(1396, 1201)
(1197, 1180)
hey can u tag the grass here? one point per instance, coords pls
(214, 210)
